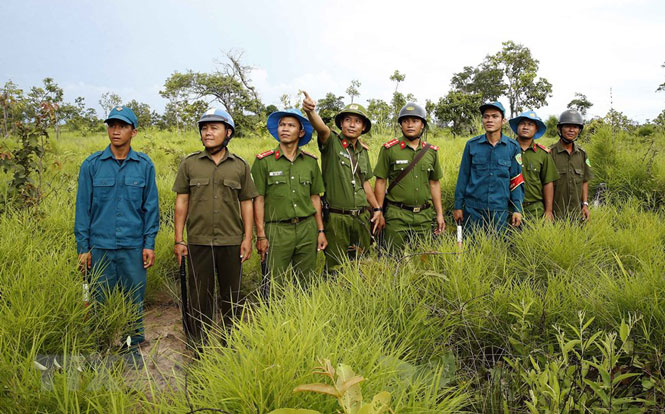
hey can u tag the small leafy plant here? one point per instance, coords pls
(346, 388)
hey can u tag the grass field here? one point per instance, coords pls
(555, 318)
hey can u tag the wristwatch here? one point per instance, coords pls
(585, 203)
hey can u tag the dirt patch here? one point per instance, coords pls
(164, 350)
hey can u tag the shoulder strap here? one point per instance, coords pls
(408, 168)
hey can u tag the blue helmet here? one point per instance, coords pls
(218, 115)
(532, 116)
(495, 105)
(275, 117)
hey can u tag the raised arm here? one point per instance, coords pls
(322, 130)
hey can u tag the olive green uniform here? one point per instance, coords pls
(538, 169)
(345, 169)
(409, 209)
(214, 232)
(288, 211)
(575, 170)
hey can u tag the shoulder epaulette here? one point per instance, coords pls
(362, 144)
(192, 154)
(144, 156)
(434, 147)
(542, 147)
(94, 155)
(391, 143)
(310, 154)
(239, 158)
(265, 154)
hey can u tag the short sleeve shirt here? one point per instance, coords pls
(538, 169)
(345, 169)
(287, 185)
(413, 189)
(215, 192)
(575, 170)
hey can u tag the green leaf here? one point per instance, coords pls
(294, 411)
(380, 404)
(319, 388)
(624, 331)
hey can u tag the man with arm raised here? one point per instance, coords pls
(346, 172)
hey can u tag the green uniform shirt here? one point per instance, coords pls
(538, 169)
(344, 189)
(413, 189)
(287, 186)
(215, 192)
(574, 169)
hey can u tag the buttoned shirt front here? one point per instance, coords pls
(117, 204)
(413, 189)
(490, 176)
(575, 170)
(345, 168)
(215, 192)
(538, 169)
(287, 185)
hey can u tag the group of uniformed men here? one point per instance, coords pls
(219, 198)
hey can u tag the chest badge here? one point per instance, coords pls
(276, 173)
(402, 162)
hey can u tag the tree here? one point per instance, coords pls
(80, 118)
(485, 81)
(580, 103)
(229, 85)
(459, 111)
(142, 112)
(13, 104)
(108, 101)
(661, 88)
(520, 70)
(51, 94)
(551, 124)
(352, 90)
(380, 115)
(330, 106)
(397, 77)
(285, 100)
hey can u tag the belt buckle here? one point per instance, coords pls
(355, 212)
(416, 209)
(295, 220)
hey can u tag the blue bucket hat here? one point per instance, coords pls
(275, 117)
(495, 105)
(124, 114)
(532, 116)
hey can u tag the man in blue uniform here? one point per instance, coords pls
(117, 215)
(489, 185)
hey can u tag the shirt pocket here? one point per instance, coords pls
(399, 165)
(102, 187)
(578, 175)
(277, 187)
(231, 190)
(135, 186)
(480, 165)
(199, 188)
(503, 168)
(305, 185)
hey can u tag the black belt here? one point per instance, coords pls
(347, 212)
(413, 209)
(294, 220)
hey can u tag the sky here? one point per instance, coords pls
(610, 50)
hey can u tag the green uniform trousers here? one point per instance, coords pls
(535, 210)
(403, 226)
(292, 244)
(207, 265)
(348, 236)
